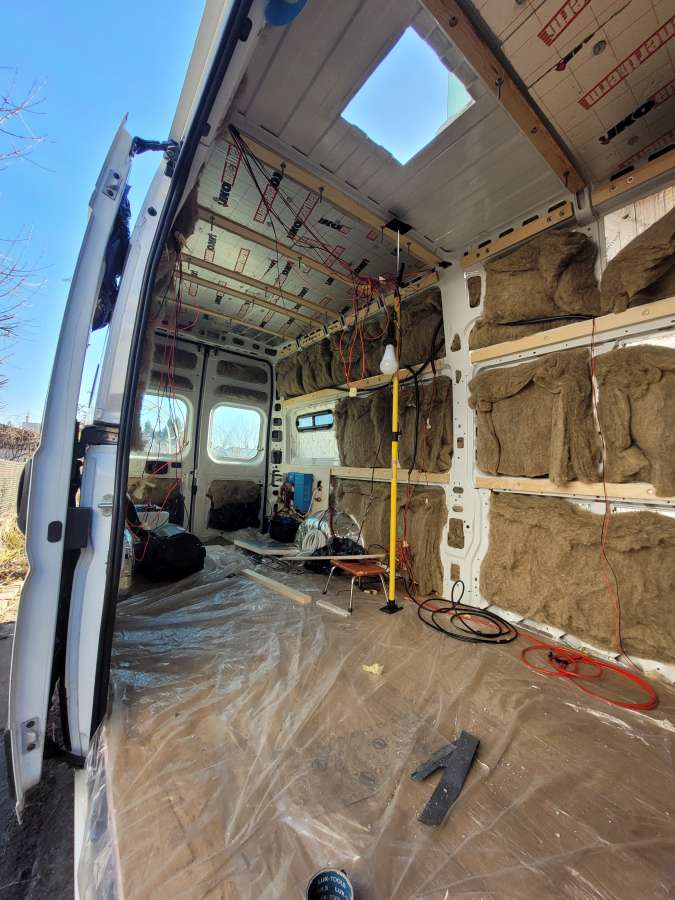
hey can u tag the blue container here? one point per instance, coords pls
(303, 485)
(330, 884)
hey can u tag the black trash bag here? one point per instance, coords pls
(115, 257)
(334, 547)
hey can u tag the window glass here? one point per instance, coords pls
(164, 421)
(318, 421)
(234, 433)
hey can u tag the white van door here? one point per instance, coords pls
(231, 458)
(50, 479)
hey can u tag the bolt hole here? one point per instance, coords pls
(152, 211)
(30, 746)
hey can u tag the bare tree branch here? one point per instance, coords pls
(17, 141)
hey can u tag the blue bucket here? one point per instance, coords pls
(330, 884)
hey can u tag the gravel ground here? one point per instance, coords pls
(36, 858)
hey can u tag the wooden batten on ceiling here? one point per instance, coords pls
(273, 289)
(460, 30)
(249, 234)
(249, 298)
(653, 170)
(556, 215)
(215, 314)
(337, 198)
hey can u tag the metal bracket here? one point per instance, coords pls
(141, 145)
(583, 208)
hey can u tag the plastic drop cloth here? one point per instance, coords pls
(246, 748)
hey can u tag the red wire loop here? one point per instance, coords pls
(564, 662)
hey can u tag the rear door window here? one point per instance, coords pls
(235, 433)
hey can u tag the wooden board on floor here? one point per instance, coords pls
(278, 587)
(290, 551)
(265, 548)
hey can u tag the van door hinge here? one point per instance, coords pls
(170, 149)
(141, 145)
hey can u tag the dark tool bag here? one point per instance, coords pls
(169, 553)
(283, 528)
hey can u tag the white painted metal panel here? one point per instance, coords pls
(50, 481)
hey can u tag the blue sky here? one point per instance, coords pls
(408, 97)
(95, 61)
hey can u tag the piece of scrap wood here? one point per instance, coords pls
(331, 607)
(278, 587)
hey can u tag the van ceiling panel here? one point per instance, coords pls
(612, 105)
(303, 76)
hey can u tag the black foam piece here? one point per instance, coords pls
(455, 769)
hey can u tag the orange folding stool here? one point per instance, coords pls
(357, 570)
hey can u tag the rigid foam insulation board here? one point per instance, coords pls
(427, 512)
(536, 419)
(356, 353)
(550, 275)
(363, 427)
(644, 270)
(544, 562)
(636, 410)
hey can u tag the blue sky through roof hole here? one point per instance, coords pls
(407, 99)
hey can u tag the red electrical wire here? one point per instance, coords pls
(564, 662)
(605, 564)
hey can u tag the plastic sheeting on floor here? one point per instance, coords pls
(247, 748)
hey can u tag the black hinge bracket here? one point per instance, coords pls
(141, 145)
(53, 751)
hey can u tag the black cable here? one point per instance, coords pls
(457, 613)
(572, 317)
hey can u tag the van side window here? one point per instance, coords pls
(164, 425)
(235, 433)
(318, 421)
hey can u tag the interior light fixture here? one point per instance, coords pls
(389, 362)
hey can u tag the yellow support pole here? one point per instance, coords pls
(391, 605)
(394, 489)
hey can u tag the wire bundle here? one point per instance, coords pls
(464, 623)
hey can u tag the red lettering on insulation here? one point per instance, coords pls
(561, 20)
(629, 65)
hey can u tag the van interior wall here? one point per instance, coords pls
(356, 352)
(546, 556)
(536, 418)
(551, 279)
(421, 517)
(363, 427)
(544, 561)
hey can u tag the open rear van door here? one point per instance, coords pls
(50, 480)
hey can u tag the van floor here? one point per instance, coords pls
(247, 748)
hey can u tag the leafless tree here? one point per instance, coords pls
(17, 141)
(17, 444)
